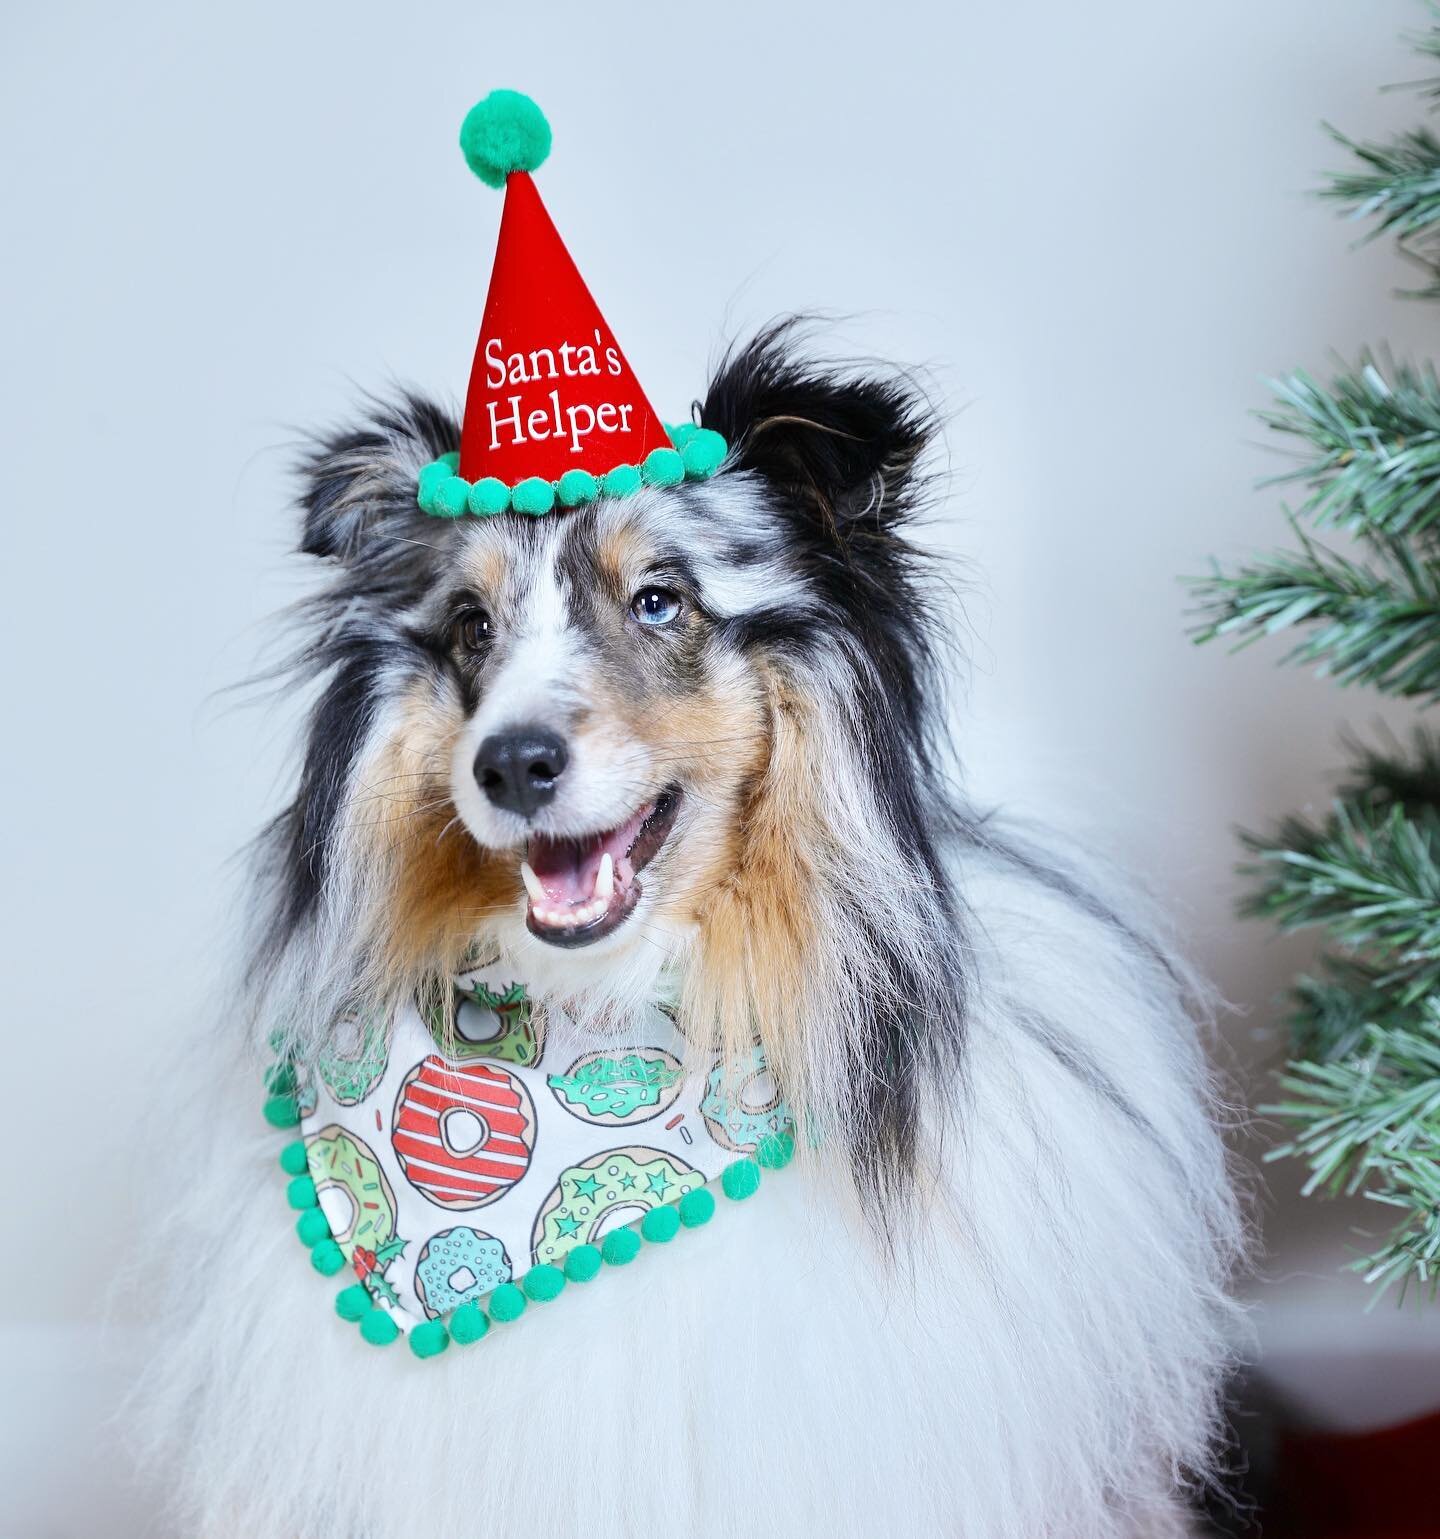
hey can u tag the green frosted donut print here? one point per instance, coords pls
(483, 1022)
(458, 1265)
(632, 1084)
(742, 1104)
(351, 1189)
(606, 1192)
(356, 1061)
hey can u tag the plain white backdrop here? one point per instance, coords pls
(223, 223)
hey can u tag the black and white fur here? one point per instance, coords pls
(990, 1301)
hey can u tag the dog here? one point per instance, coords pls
(687, 747)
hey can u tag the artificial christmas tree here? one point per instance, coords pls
(1362, 1090)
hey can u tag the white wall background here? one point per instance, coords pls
(222, 222)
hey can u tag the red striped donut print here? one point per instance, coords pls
(463, 1132)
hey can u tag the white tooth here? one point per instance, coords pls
(605, 878)
(532, 883)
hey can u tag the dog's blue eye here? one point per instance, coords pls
(655, 606)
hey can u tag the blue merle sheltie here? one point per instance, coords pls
(687, 746)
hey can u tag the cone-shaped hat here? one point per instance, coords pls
(554, 414)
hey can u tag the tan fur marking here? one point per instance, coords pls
(442, 885)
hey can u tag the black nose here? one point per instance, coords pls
(518, 770)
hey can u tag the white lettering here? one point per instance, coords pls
(494, 363)
(497, 421)
(576, 431)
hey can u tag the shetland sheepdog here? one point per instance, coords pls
(686, 745)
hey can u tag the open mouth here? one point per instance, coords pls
(582, 889)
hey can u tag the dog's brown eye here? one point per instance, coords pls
(474, 631)
(655, 606)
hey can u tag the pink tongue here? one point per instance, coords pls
(567, 867)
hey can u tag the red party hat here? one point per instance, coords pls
(554, 412)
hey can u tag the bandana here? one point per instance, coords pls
(464, 1162)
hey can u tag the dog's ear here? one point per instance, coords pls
(359, 484)
(842, 444)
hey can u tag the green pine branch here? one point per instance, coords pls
(1369, 445)
(1372, 1121)
(1391, 774)
(1332, 1015)
(1375, 623)
(1397, 185)
(1369, 876)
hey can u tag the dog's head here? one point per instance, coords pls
(675, 738)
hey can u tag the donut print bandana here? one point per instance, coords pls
(465, 1161)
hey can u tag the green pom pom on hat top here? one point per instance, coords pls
(506, 132)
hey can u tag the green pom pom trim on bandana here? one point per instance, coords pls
(378, 1328)
(740, 1180)
(543, 1283)
(429, 1338)
(697, 1208)
(373, 1308)
(695, 454)
(353, 1303)
(583, 1263)
(311, 1227)
(506, 132)
(327, 1258)
(620, 1247)
(468, 1324)
(660, 1225)
(507, 1303)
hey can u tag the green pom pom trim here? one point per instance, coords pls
(327, 1258)
(468, 1324)
(620, 1247)
(353, 1303)
(575, 488)
(534, 495)
(282, 1111)
(430, 478)
(543, 1283)
(489, 496)
(660, 1225)
(429, 1338)
(312, 1226)
(663, 467)
(507, 1302)
(697, 1208)
(775, 1151)
(300, 1193)
(740, 1180)
(452, 498)
(452, 459)
(623, 481)
(506, 132)
(378, 1328)
(582, 1264)
(703, 453)
(442, 493)
(280, 1079)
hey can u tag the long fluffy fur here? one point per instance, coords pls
(991, 1301)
